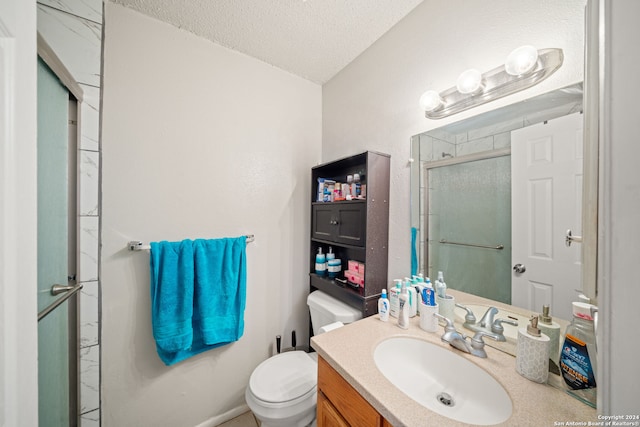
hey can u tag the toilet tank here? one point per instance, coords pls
(326, 309)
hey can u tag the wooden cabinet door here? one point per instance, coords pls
(351, 223)
(328, 415)
(322, 224)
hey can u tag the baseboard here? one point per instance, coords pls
(229, 415)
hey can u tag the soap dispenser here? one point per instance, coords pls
(532, 352)
(552, 330)
(321, 263)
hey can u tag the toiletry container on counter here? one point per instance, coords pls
(532, 353)
(282, 390)
(578, 357)
(552, 330)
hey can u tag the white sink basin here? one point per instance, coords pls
(510, 331)
(443, 381)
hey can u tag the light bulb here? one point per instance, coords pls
(521, 61)
(430, 100)
(470, 81)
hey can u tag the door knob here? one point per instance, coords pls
(519, 268)
(569, 238)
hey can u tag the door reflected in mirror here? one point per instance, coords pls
(501, 189)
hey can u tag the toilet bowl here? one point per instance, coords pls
(282, 390)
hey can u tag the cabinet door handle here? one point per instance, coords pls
(333, 222)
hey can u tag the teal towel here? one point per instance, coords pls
(414, 251)
(220, 288)
(172, 288)
(216, 298)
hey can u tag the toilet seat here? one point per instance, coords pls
(286, 378)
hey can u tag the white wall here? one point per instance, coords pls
(198, 142)
(619, 290)
(373, 102)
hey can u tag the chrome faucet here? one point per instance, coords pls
(455, 339)
(488, 325)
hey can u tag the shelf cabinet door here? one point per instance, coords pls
(343, 223)
(323, 222)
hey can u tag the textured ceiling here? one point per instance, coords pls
(314, 39)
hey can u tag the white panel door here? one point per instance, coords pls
(546, 199)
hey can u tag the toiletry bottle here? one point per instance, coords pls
(403, 315)
(441, 287)
(532, 352)
(578, 357)
(321, 263)
(413, 298)
(320, 190)
(383, 306)
(394, 299)
(552, 330)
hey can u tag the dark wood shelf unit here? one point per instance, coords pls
(356, 230)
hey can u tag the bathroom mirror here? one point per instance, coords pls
(463, 190)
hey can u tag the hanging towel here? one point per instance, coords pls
(172, 288)
(414, 251)
(216, 297)
(220, 288)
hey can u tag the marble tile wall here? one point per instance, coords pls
(73, 29)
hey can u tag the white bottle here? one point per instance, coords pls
(403, 315)
(413, 299)
(441, 287)
(383, 306)
(394, 299)
(552, 330)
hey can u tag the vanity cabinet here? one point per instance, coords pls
(355, 230)
(339, 404)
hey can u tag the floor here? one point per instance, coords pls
(245, 420)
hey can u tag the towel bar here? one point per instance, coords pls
(136, 245)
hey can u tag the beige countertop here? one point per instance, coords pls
(349, 350)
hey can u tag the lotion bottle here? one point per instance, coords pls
(403, 315)
(413, 298)
(394, 299)
(383, 306)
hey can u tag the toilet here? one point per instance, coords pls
(282, 390)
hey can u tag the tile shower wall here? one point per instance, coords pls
(73, 29)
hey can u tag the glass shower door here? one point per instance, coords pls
(469, 206)
(55, 336)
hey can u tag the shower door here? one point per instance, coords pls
(57, 348)
(469, 224)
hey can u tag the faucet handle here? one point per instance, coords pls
(469, 318)
(477, 343)
(497, 325)
(449, 326)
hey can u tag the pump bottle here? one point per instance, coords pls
(403, 315)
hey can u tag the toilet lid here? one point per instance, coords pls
(284, 377)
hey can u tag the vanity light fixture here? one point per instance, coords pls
(524, 67)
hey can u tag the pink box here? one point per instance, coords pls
(361, 268)
(353, 265)
(354, 277)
